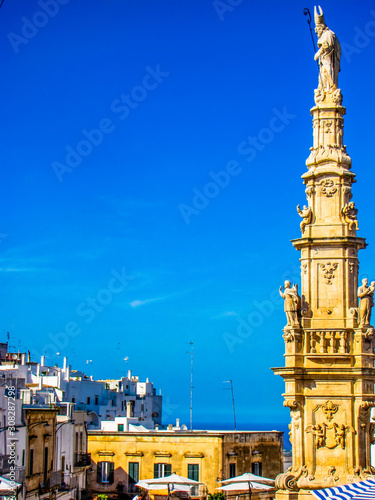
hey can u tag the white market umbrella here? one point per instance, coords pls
(147, 486)
(247, 482)
(244, 487)
(7, 484)
(248, 477)
(172, 482)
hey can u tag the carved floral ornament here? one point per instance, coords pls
(328, 270)
(329, 409)
(328, 187)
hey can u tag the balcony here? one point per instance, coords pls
(55, 479)
(82, 459)
(4, 464)
(20, 474)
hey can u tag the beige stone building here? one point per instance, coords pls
(119, 459)
(41, 476)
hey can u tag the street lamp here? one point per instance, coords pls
(12, 428)
(64, 423)
(46, 424)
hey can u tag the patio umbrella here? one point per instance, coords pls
(244, 487)
(249, 477)
(172, 482)
(363, 490)
(8, 485)
(247, 482)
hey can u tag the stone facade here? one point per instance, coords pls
(210, 452)
(329, 353)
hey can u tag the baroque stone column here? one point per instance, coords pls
(329, 358)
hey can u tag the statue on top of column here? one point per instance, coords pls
(328, 55)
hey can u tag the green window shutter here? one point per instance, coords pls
(134, 472)
(111, 472)
(193, 472)
(167, 469)
(99, 472)
(156, 471)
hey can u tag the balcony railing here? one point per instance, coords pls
(82, 459)
(55, 479)
(4, 464)
(20, 474)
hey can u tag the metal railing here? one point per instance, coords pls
(55, 479)
(4, 464)
(82, 459)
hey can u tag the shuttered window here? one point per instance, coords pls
(105, 472)
(162, 470)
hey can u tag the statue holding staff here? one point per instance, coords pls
(328, 55)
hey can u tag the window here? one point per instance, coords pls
(105, 472)
(193, 472)
(232, 470)
(45, 465)
(31, 462)
(96, 400)
(162, 470)
(133, 472)
(88, 400)
(120, 428)
(73, 399)
(256, 468)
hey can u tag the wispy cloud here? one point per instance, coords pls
(129, 205)
(138, 303)
(224, 314)
(24, 269)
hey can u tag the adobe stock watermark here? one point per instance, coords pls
(30, 27)
(87, 309)
(261, 310)
(121, 107)
(223, 6)
(362, 38)
(249, 148)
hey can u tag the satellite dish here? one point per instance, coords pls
(14, 356)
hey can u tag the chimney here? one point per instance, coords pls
(65, 363)
(129, 374)
(23, 359)
(129, 409)
(42, 360)
(177, 423)
(147, 380)
(38, 370)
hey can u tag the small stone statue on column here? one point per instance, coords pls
(366, 296)
(292, 304)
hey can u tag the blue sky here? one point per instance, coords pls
(117, 115)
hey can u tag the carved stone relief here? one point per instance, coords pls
(328, 270)
(328, 187)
